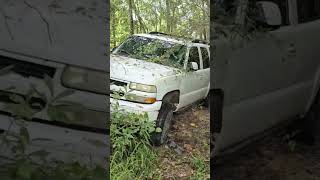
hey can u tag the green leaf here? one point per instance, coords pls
(56, 114)
(24, 133)
(17, 99)
(23, 111)
(24, 171)
(158, 130)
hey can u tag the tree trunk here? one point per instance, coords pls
(143, 27)
(168, 15)
(131, 17)
(204, 19)
(114, 31)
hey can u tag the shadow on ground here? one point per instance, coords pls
(272, 159)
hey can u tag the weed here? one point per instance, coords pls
(132, 155)
(201, 168)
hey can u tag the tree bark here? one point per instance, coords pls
(137, 13)
(131, 17)
(168, 15)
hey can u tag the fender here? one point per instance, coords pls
(208, 91)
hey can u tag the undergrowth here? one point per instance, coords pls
(132, 156)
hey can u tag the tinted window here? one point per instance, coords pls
(194, 56)
(205, 58)
(308, 10)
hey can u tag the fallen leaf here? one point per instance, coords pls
(188, 147)
(193, 124)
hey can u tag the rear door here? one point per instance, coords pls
(205, 59)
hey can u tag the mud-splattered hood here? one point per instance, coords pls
(66, 31)
(134, 70)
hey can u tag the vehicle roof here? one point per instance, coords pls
(172, 39)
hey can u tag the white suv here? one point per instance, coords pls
(161, 75)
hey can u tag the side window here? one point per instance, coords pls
(205, 58)
(194, 56)
(308, 10)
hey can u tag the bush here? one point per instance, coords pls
(132, 155)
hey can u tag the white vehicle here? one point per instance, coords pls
(162, 75)
(270, 79)
(65, 41)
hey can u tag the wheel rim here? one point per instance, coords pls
(166, 126)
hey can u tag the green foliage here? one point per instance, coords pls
(201, 168)
(132, 156)
(177, 17)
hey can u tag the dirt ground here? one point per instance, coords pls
(188, 138)
(272, 159)
(269, 159)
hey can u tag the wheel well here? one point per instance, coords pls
(172, 97)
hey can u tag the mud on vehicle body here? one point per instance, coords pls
(267, 71)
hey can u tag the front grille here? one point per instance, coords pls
(117, 83)
(34, 102)
(26, 69)
(117, 93)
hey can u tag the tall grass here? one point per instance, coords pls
(132, 156)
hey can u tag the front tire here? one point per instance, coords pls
(164, 122)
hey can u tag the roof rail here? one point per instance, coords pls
(159, 33)
(200, 41)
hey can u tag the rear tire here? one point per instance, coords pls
(164, 122)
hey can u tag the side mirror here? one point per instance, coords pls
(270, 13)
(194, 66)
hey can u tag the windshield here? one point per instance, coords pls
(153, 50)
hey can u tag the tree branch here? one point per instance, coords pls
(43, 19)
(7, 24)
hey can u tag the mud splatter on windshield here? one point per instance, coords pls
(153, 50)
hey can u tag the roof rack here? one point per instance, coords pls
(159, 33)
(193, 41)
(200, 41)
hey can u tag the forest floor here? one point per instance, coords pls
(272, 159)
(187, 153)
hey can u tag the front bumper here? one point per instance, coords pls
(62, 143)
(151, 109)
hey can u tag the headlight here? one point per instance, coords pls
(140, 99)
(85, 79)
(143, 87)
